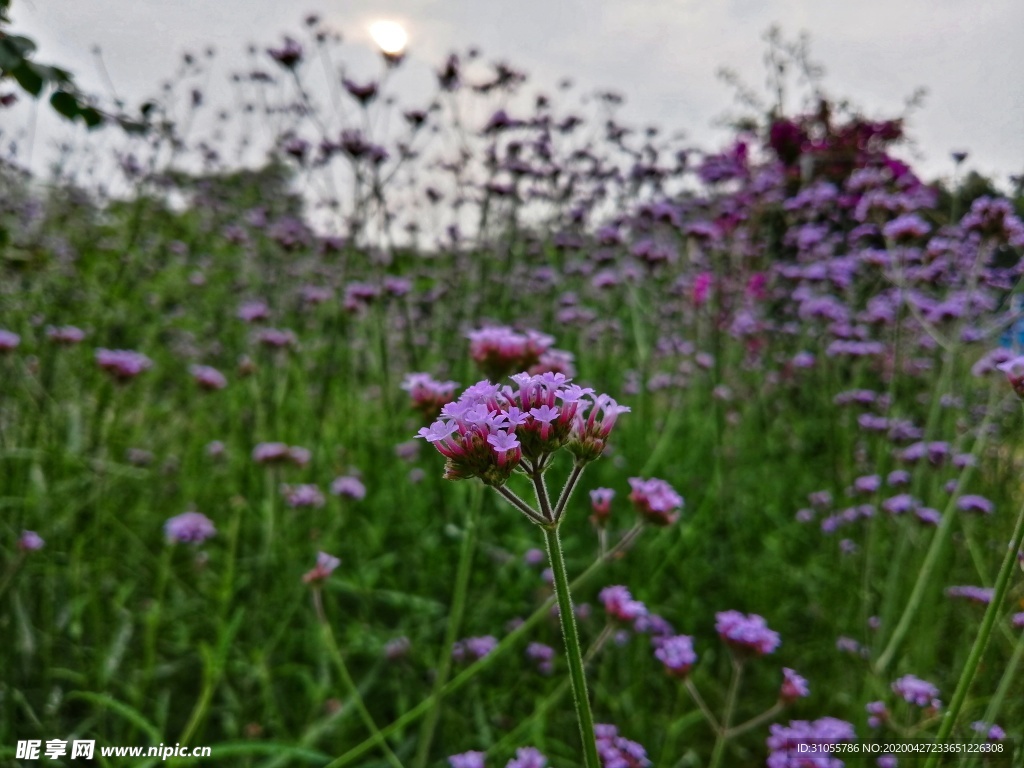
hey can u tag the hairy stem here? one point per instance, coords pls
(573, 653)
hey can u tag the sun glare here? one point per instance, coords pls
(389, 36)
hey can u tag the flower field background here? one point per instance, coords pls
(217, 525)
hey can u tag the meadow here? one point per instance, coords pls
(799, 520)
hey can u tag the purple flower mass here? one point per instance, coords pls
(917, 691)
(189, 527)
(122, 364)
(30, 541)
(490, 429)
(784, 742)
(655, 500)
(746, 633)
(467, 760)
(527, 757)
(677, 654)
(620, 605)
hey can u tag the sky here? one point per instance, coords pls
(663, 55)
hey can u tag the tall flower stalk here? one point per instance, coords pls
(492, 432)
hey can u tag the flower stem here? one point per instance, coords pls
(699, 701)
(511, 497)
(350, 686)
(730, 705)
(467, 674)
(573, 654)
(978, 649)
(444, 666)
(567, 489)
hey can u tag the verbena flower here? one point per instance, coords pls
(616, 751)
(974, 594)
(207, 377)
(914, 690)
(9, 340)
(878, 713)
(677, 654)
(992, 732)
(300, 496)
(975, 503)
(746, 633)
(474, 648)
(67, 334)
(253, 311)
(325, 565)
(1014, 370)
(397, 648)
(349, 486)
(429, 395)
(527, 757)
(123, 364)
(467, 760)
(491, 429)
(601, 504)
(793, 686)
(655, 500)
(784, 742)
(30, 541)
(278, 453)
(543, 655)
(189, 527)
(620, 605)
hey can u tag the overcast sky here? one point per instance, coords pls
(662, 54)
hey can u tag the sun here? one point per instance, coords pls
(389, 36)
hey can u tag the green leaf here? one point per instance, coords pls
(91, 116)
(21, 46)
(28, 78)
(65, 104)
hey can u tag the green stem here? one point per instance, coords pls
(567, 489)
(699, 701)
(574, 655)
(507, 642)
(769, 714)
(978, 649)
(350, 686)
(462, 575)
(924, 577)
(730, 704)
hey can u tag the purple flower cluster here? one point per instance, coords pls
(303, 496)
(9, 340)
(30, 541)
(500, 351)
(527, 757)
(349, 486)
(190, 528)
(428, 395)
(747, 634)
(543, 655)
(655, 500)
(490, 429)
(473, 648)
(981, 595)
(325, 565)
(470, 759)
(207, 377)
(279, 453)
(677, 654)
(793, 687)
(785, 741)
(122, 364)
(620, 605)
(617, 751)
(914, 690)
